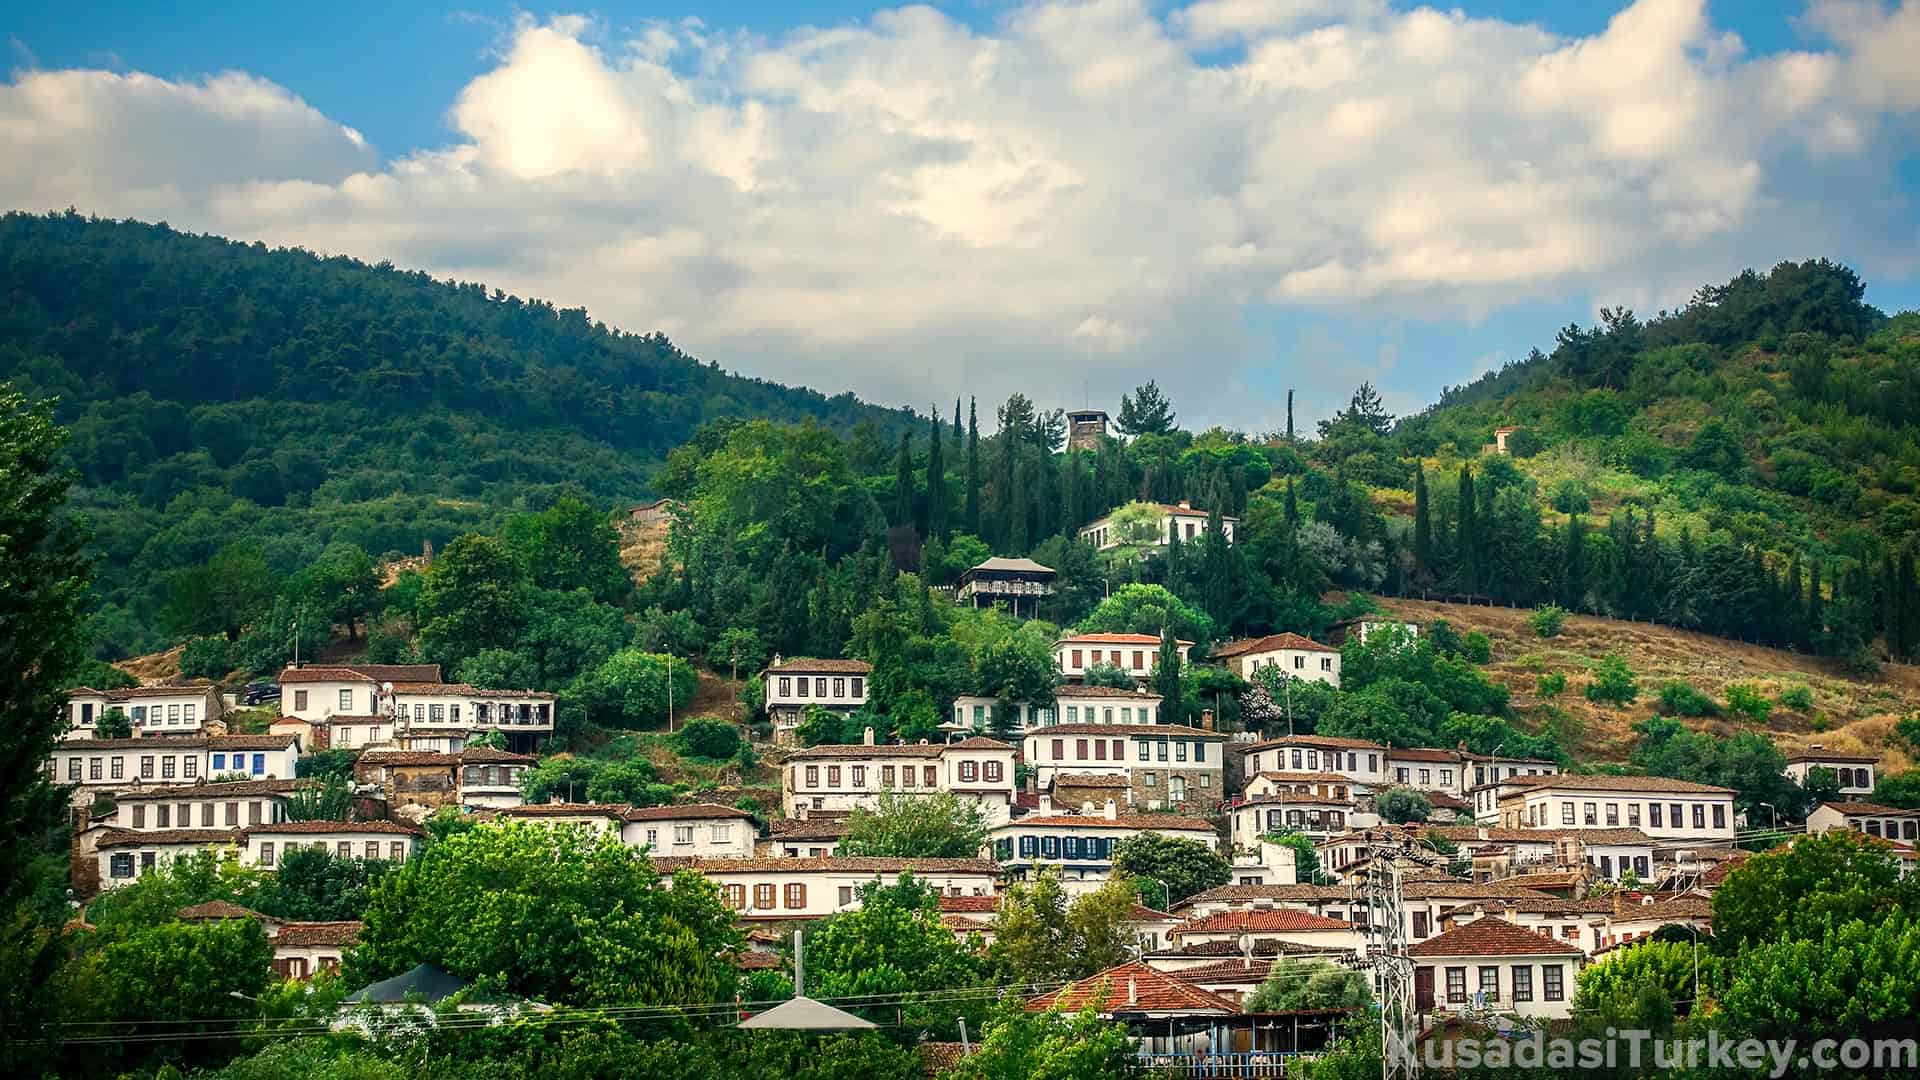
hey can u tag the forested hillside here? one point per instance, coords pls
(221, 392)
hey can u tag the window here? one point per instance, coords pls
(1299, 663)
(167, 767)
(120, 864)
(173, 714)
(1633, 814)
(206, 815)
(846, 895)
(233, 814)
(1295, 755)
(266, 853)
(1675, 815)
(95, 769)
(453, 712)
(219, 763)
(346, 701)
(73, 768)
(1490, 983)
(190, 767)
(1326, 663)
(1550, 982)
(436, 713)
(1719, 816)
(1179, 751)
(253, 813)
(906, 776)
(931, 775)
(1076, 657)
(859, 776)
(763, 897)
(344, 849)
(1079, 749)
(1699, 815)
(1146, 752)
(1161, 745)
(653, 838)
(186, 713)
(1373, 762)
(994, 769)
(1151, 779)
(820, 686)
(1446, 777)
(970, 771)
(1426, 777)
(736, 896)
(1456, 986)
(720, 834)
(260, 760)
(813, 776)
(1613, 814)
(146, 768)
(886, 776)
(1653, 815)
(1419, 923)
(796, 895)
(1400, 776)
(683, 834)
(1523, 983)
(397, 850)
(800, 687)
(786, 686)
(1590, 813)
(839, 687)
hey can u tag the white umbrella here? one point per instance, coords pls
(805, 1014)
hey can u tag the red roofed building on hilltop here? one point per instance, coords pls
(1492, 965)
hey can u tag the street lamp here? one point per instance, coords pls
(1773, 814)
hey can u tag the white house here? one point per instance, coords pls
(232, 804)
(125, 854)
(792, 686)
(1135, 654)
(1295, 656)
(1493, 768)
(97, 766)
(478, 777)
(1854, 771)
(810, 836)
(377, 704)
(1316, 816)
(1080, 846)
(707, 830)
(1885, 822)
(1166, 765)
(1301, 929)
(151, 710)
(776, 889)
(1358, 760)
(845, 777)
(592, 817)
(1611, 852)
(267, 845)
(1490, 964)
(1180, 519)
(1666, 809)
(1425, 769)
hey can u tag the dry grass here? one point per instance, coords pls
(1858, 714)
(154, 669)
(643, 548)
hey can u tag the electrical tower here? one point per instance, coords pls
(1393, 968)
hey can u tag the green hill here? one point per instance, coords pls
(221, 392)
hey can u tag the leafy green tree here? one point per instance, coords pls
(1822, 785)
(631, 689)
(222, 595)
(1309, 984)
(1017, 1044)
(184, 975)
(941, 825)
(711, 738)
(1613, 682)
(315, 885)
(325, 765)
(1551, 685)
(1644, 985)
(1749, 702)
(570, 546)
(1146, 411)
(1678, 698)
(564, 777)
(471, 600)
(1149, 609)
(1547, 621)
(1902, 789)
(341, 586)
(1182, 865)
(1793, 892)
(207, 658)
(113, 724)
(1838, 978)
(1040, 936)
(1798, 697)
(738, 645)
(1109, 675)
(1747, 762)
(894, 944)
(1401, 805)
(659, 630)
(1169, 683)
(500, 669)
(634, 782)
(491, 739)
(330, 800)
(550, 913)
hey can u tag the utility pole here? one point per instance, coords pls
(669, 692)
(1386, 916)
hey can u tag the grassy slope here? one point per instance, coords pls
(1859, 713)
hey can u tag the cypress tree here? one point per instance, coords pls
(1167, 681)
(903, 482)
(1573, 564)
(1905, 616)
(1238, 491)
(1016, 501)
(1466, 536)
(936, 483)
(1791, 615)
(1289, 417)
(973, 466)
(1422, 524)
(959, 436)
(1816, 609)
(1293, 508)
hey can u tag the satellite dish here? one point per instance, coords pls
(386, 688)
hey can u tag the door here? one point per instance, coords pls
(1423, 990)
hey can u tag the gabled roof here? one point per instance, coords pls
(978, 742)
(1134, 987)
(1817, 756)
(1316, 742)
(1080, 692)
(812, 666)
(128, 693)
(1422, 753)
(218, 909)
(1296, 892)
(1113, 639)
(1125, 731)
(1092, 780)
(221, 790)
(426, 980)
(828, 751)
(610, 811)
(1488, 936)
(1024, 566)
(1271, 643)
(1860, 808)
(686, 811)
(342, 932)
(393, 673)
(1288, 797)
(166, 837)
(309, 828)
(1166, 822)
(251, 742)
(1275, 921)
(857, 864)
(1573, 782)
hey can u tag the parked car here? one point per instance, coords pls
(259, 693)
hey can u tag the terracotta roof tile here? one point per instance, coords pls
(1125, 731)
(1277, 893)
(1489, 936)
(251, 742)
(218, 909)
(970, 904)
(856, 750)
(811, 665)
(978, 742)
(1277, 921)
(686, 811)
(1093, 780)
(1294, 798)
(1271, 643)
(1818, 756)
(1422, 753)
(1855, 808)
(1080, 692)
(342, 933)
(141, 837)
(614, 811)
(1318, 742)
(393, 673)
(159, 743)
(1239, 970)
(311, 828)
(826, 865)
(1170, 822)
(1134, 987)
(221, 790)
(1572, 782)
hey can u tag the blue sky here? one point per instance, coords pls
(1234, 280)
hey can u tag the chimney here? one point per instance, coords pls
(1133, 992)
(1113, 811)
(776, 660)
(1185, 504)
(1206, 719)
(1619, 904)
(1046, 804)
(800, 809)
(866, 739)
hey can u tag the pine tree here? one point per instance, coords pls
(973, 466)
(1466, 537)
(936, 483)
(1422, 524)
(903, 482)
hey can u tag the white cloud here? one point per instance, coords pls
(908, 203)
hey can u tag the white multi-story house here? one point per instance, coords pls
(126, 854)
(1492, 965)
(1424, 769)
(150, 710)
(1358, 760)
(778, 889)
(1854, 771)
(96, 766)
(1665, 809)
(1135, 654)
(1181, 520)
(1493, 768)
(232, 804)
(706, 830)
(1612, 853)
(1080, 846)
(846, 777)
(794, 686)
(479, 777)
(267, 845)
(593, 817)
(360, 705)
(1288, 811)
(1299, 931)
(974, 714)
(1885, 822)
(1295, 656)
(1166, 765)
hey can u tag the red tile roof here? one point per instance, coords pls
(1277, 921)
(1093, 780)
(1424, 754)
(1818, 756)
(308, 828)
(861, 864)
(1572, 782)
(220, 790)
(393, 673)
(859, 750)
(1134, 987)
(613, 811)
(811, 666)
(141, 837)
(1319, 742)
(342, 933)
(1084, 693)
(970, 904)
(1271, 643)
(1115, 639)
(1126, 731)
(1171, 822)
(218, 909)
(1489, 936)
(685, 811)
(1857, 808)
(978, 742)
